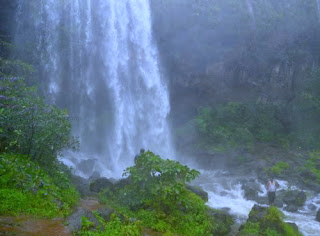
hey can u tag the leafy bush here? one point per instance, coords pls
(18, 202)
(35, 191)
(156, 196)
(111, 228)
(158, 183)
(29, 126)
(239, 125)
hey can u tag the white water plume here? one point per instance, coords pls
(98, 60)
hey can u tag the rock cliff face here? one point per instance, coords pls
(7, 12)
(214, 52)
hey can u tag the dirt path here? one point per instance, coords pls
(32, 226)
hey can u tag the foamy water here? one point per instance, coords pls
(225, 192)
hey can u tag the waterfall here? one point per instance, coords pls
(251, 12)
(98, 60)
(318, 8)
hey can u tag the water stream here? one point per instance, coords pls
(225, 193)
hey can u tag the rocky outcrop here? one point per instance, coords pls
(100, 184)
(199, 191)
(294, 199)
(251, 189)
(265, 219)
(318, 216)
(257, 213)
(81, 184)
(85, 209)
(74, 220)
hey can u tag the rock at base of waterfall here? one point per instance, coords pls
(81, 184)
(198, 191)
(318, 216)
(266, 218)
(294, 199)
(251, 189)
(100, 184)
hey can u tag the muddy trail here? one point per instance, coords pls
(32, 226)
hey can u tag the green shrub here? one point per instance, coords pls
(250, 229)
(235, 125)
(54, 195)
(157, 197)
(111, 228)
(17, 202)
(29, 126)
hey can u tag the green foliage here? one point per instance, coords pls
(29, 126)
(306, 112)
(156, 196)
(271, 224)
(37, 193)
(86, 224)
(111, 228)
(158, 182)
(313, 164)
(279, 168)
(12, 67)
(18, 202)
(250, 228)
(239, 125)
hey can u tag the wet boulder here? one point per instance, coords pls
(318, 216)
(74, 220)
(294, 199)
(251, 189)
(198, 191)
(81, 184)
(257, 213)
(262, 220)
(100, 184)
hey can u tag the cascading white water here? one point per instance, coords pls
(251, 12)
(97, 58)
(225, 192)
(318, 5)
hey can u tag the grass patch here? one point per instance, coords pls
(279, 168)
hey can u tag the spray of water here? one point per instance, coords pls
(318, 5)
(251, 12)
(97, 58)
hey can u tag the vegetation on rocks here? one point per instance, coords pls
(267, 222)
(28, 189)
(154, 196)
(32, 136)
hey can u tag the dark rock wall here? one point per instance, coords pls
(7, 17)
(213, 51)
